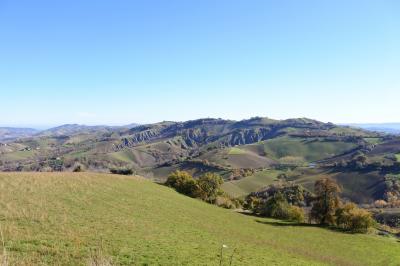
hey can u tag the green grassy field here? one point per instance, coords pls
(71, 219)
(237, 157)
(373, 140)
(243, 187)
(236, 151)
(78, 154)
(285, 150)
(308, 150)
(18, 155)
(124, 156)
(348, 131)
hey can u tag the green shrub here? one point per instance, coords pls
(207, 187)
(210, 187)
(252, 203)
(225, 202)
(276, 207)
(294, 194)
(296, 214)
(183, 183)
(238, 202)
(121, 171)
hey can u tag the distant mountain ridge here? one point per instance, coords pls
(67, 129)
(10, 133)
(13, 133)
(390, 128)
(71, 129)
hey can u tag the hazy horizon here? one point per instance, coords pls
(48, 126)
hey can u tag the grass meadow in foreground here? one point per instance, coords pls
(83, 218)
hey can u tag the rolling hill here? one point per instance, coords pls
(87, 218)
(244, 152)
(11, 133)
(169, 143)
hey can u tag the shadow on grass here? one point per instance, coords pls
(279, 223)
(325, 227)
(294, 224)
(286, 224)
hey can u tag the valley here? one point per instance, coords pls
(249, 154)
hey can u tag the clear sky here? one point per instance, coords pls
(118, 62)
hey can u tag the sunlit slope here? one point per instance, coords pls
(244, 186)
(63, 218)
(304, 149)
(363, 188)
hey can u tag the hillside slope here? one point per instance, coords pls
(65, 218)
(148, 147)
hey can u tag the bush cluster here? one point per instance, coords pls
(228, 202)
(280, 201)
(121, 171)
(285, 201)
(295, 194)
(206, 188)
(328, 209)
(278, 207)
(183, 183)
(351, 218)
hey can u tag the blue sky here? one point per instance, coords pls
(118, 62)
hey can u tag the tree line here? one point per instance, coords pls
(286, 201)
(327, 208)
